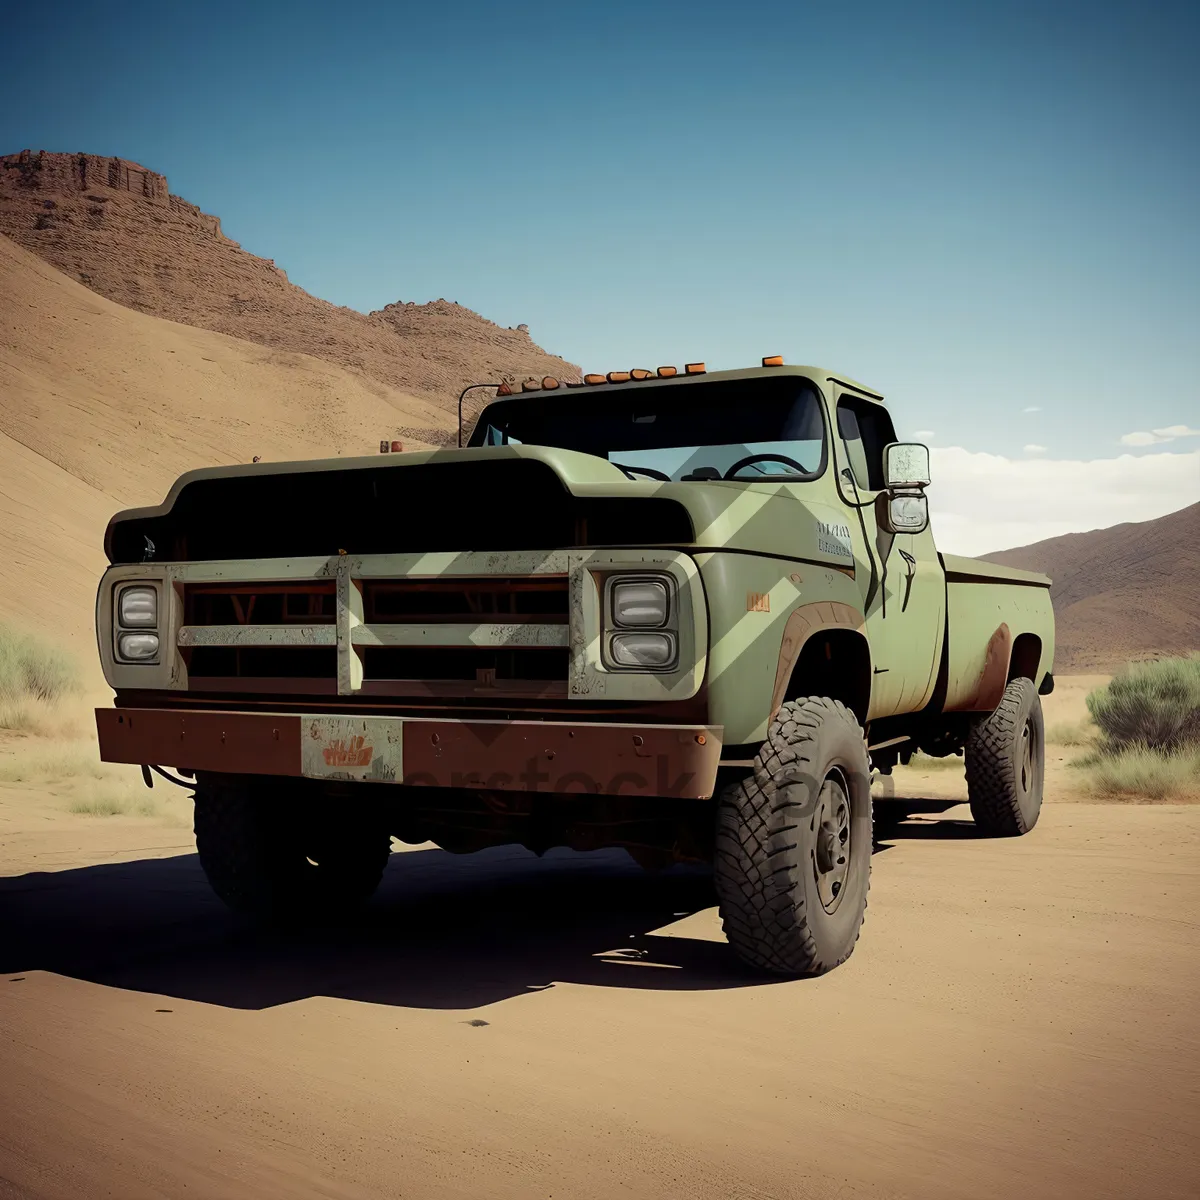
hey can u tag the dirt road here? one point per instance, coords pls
(1020, 1018)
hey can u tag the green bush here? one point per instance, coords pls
(1155, 705)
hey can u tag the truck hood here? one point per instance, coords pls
(488, 497)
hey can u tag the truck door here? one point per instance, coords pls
(900, 577)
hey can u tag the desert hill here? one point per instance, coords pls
(102, 407)
(114, 226)
(1129, 592)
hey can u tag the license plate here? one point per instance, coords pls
(352, 748)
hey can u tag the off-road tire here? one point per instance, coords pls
(1005, 760)
(280, 853)
(769, 835)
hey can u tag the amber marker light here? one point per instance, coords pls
(641, 373)
(618, 377)
(667, 372)
(549, 383)
(694, 368)
(776, 360)
(593, 379)
(531, 385)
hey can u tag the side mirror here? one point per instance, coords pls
(905, 465)
(904, 512)
(903, 507)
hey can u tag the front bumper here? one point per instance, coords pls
(537, 756)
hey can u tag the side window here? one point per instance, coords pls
(864, 428)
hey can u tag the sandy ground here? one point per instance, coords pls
(1019, 1018)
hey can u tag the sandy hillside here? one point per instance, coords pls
(1129, 592)
(102, 408)
(114, 226)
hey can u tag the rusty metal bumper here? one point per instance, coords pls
(539, 756)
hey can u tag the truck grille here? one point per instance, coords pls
(465, 600)
(445, 636)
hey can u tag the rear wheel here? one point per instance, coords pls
(793, 850)
(274, 851)
(1006, 763)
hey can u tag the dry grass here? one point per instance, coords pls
(926, 762)
(52, 761)
(114, 802)
(1139, 773)
(35, 679)
(67, 774)
(1071, 733)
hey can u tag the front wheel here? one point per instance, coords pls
(1006, 763)
(275, 851)
(793, 848)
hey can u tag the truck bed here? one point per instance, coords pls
(977, 570)
(1000, 622)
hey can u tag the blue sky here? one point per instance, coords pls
(978, 209)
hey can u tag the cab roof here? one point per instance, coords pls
(818, 374)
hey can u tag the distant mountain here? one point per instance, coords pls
(1121, 594)
(114, 226)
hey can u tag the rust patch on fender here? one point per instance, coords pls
(993, 678)
(807, 620)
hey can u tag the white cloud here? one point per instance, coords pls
(1155, 437)
(1034, 449)
(1031, 408)
(983, 502)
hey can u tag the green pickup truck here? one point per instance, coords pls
(684, 613)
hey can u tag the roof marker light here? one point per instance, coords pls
(640, 373)
(549, 383)
(618, 377)
(694, 368)
(776, 360)
(667, 372)
(593, 379)
(573, 382)
(531, 385)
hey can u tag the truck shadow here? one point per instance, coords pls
(443, 932)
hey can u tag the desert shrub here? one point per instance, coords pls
(1139, 772)
(1155, 705)
(33, 669)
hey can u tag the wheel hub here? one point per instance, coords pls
(831, 849)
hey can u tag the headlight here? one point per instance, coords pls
(639, 603)
(138, 647)
(137, 608)
(647, 650)
(641, 625)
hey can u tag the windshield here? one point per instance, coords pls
(675, 431)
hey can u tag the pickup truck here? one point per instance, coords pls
(684, 613)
